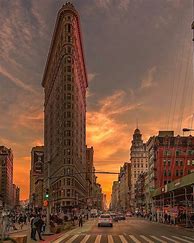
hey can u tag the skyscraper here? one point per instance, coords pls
(65, 83)
(139, 161)
(6, 176)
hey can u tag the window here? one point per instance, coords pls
(169, 173)
(69, 49)
(181, 172)
(189, 152)
(142, 165)
(68, 105)
(164, 172)
(164, 161)
(169, 162)
(188, 162)
(67, 142)
(68, 192)
(68, 181)
(177, 162)
(181, 163)
(69, 78)
(68, 133)
(69, 96)
(189, 172)
(68, 114)
(192, 161)
(68, 124)
(69, 87)
(178, 152)
(166, 153)
(68, 68)
(177, 173)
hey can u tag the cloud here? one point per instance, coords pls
(148, 80)
(103, 127)
(16, 81)
(124, 4)
(118, 103)
(91, 76)
(103, 3)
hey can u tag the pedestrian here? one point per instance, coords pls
(80, 220)
(21, 221)
(33, 228)
(39, 224)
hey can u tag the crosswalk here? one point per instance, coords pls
(87, 238)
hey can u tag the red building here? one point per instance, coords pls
(170, 157)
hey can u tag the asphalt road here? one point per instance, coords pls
(130, 230)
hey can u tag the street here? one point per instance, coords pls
(130, 230)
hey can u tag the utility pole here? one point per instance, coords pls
(48, 209)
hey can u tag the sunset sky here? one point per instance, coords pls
(139, 58)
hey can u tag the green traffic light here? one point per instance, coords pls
(47, 195)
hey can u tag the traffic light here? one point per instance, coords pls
(47, 194)
(45, 203)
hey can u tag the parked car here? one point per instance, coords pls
(121, 217)
(114, 217)
(105, 220)
(128, 214)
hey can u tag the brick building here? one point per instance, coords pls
(170, 157)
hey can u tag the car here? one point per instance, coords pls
(129, 214)
(114, 217)
(121, 217)
(105, 220)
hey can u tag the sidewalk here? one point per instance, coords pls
(51, 238)
(170, 225)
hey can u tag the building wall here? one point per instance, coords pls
(6, 176)
(65, 86)
(139, 162)
(115, 196)
(172, 157)
(89, 170)
(124, 186)
(37, 171)
(39, 193)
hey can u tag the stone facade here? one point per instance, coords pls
(65, 83)
(139, 162)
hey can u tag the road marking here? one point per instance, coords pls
(110, 239)
(72, 239)
(170, 239)
(189, 238)
(156, 238)
(85, 239)
(178, 238)
(61, 238)
(122, 238)
(98, 238)
(134, 239)
(146, 239)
